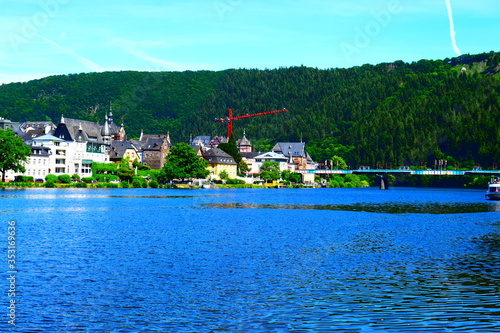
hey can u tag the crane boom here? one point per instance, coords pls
(230, 118)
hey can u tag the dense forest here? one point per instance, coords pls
(379, 115)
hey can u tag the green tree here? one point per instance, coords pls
(223, 175)
(232, 150)
(289, 176)
(338, 163)
(13, 153)
(184, 163)
(270, 171)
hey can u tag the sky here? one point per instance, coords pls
(39, 38)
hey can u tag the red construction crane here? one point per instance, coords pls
(230, 118)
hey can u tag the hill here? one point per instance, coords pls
(390, 113)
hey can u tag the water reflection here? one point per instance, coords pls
(369, 207)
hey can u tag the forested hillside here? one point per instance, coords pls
(391, 113)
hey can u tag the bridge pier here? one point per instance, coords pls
(384, 182)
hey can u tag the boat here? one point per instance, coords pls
(493, 192)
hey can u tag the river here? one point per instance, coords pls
(251, 260)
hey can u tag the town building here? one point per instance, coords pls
(153, 149)
(219, 161)
(269, 157)
(244, 145)
(71, 149)
(37, 127)
(295, 152)
(206, 142)
(7, 124)
(125, 150)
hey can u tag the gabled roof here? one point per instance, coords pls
(48, 137)
(271, 156)
(92, 130)
(153, 144)
(218, 156)
(32, 134)
(137, 144)
(37, 125)
(118, 148)
(291, 149)
(243, 141)
(201, 140)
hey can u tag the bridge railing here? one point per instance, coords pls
(402, 171)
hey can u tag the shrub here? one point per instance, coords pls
(124, 184)
(66, 179)
(51, 178)
(24, 179)
(81, 185)
(235, 182)
(153, 184)
(106, 178)
(136, 183)
(88, 179)
(50, 184)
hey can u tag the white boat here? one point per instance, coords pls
(493, 192)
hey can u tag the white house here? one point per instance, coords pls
(71, 150)
(272, 157)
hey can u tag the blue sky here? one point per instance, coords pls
(49, 37)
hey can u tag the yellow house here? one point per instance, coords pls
(219, 161)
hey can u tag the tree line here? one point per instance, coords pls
(386, 114)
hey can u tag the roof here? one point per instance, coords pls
(153, 144)
(243, 141)
(218, 156)
(250, 155)
(32, 134)
(271, 156)
(90, 129)
(291, 149)
(207, 141)
(145, 137)
(38, 125)
(118, 148)
(48, 137)
(137, 144)
(40, 151)
(203, 141)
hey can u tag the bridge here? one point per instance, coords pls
(402, 171)
(405, 170)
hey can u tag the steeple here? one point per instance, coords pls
(168, 139)
(106, 137)
(110, 113)
(62, 120)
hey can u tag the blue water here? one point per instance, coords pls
(252, 260)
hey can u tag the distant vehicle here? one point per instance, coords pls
(477, 168)
(364, 167)
(404, 167)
